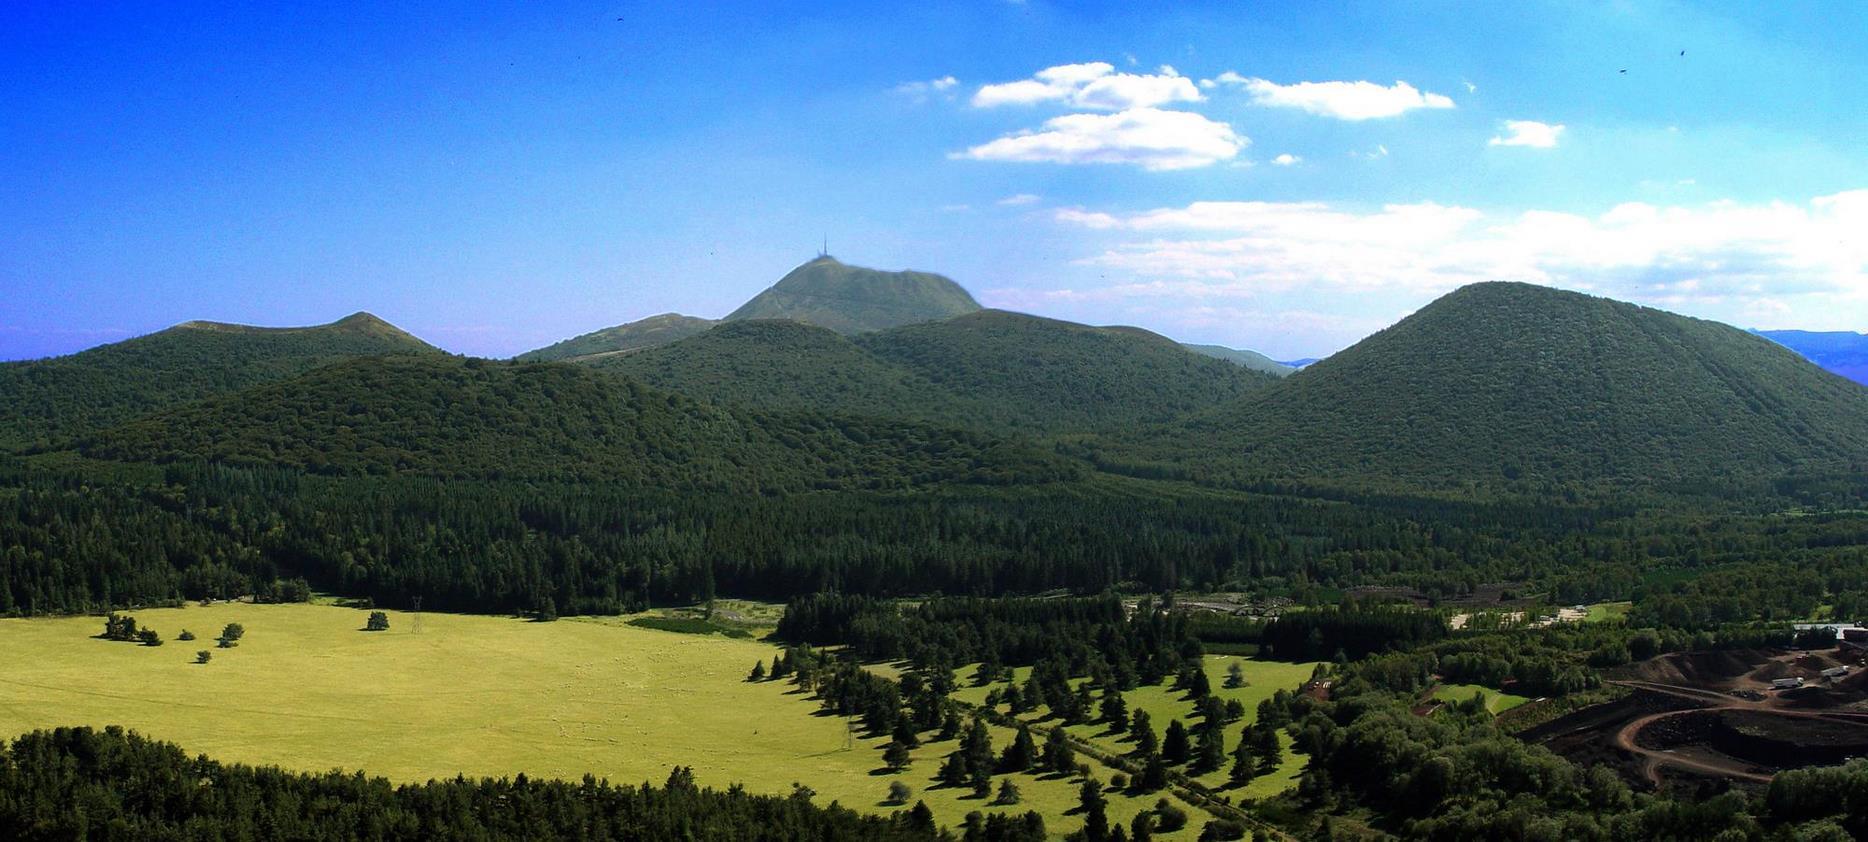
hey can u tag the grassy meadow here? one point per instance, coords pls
(1496, 702)
(307, 689)
(1165, 705)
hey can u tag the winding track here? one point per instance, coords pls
(1710, 700)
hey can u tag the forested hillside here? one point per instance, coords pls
(854, 299)
(777, 364)
(442, 416)
(647, 333)
(1503, 383)
(991, 370)
(50, 401)
(1049, 375)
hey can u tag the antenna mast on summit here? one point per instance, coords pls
(825, 251)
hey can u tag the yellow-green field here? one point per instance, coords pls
(480, 696)
(1165, 705)
(1495, 701)
(1603, 611)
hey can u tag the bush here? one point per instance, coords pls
(230, 636)
(1222, 829)
(148, 637)
(898, 793)
(1169, 818)
(203, 656)
(185, 635)
(378, 621)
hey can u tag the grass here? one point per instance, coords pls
(689, 625)
(1607, 611)
(472, 695)
(1495, 701)
(1165, 705)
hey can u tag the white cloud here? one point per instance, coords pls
(1528, 133)
(1020, 199)
(1150, 138)
(922, 91)
(1736, 260)
(1287, 159)
(1341, 100)
(1093, 85)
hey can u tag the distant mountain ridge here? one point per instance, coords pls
(854, 299)
(1841, 352)
(1250, 359)
(1502, 383)
(634, 336)
(43, 401)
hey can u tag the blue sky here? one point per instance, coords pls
(1284, 177)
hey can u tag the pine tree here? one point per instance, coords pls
(1115, 711)
(1142, 828)
(1211, 753)
(1244, 766)
(1023, 751)
(758, 671)
(896, 756)
(1141, 727)
(1008, 794)
(1175, 747)
(905, 732)
(1154, 775)
(1235, 676)
(1059, 757)
(1095, 819)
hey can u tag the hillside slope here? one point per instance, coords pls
(773, 364)
(1498, 382)
(1839, 352)
(1250, 359)
(1054, 376)
(452, 417)
(47, 401)
(634, 336)
(853, 299)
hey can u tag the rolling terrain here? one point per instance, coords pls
(45, 402)
(1501, 382)
(622, 339)
(443, 416)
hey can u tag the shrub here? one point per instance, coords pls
(148, 637)
(898, 793)
(1169, 818)
(185, 635)
(203, 656)
(378, 621)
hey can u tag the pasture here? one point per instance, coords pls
(307, 689)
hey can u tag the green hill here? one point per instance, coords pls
(1239, 356)
(453, 417)
(1054, 376)
(646, 333)
(1500, 382)
(783, 365)
(990, 370)
(48, 401)
(852, 299)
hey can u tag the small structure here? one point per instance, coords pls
(1786, 683)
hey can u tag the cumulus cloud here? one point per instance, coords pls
(1731, 257)
(1092, 85)
(924, 90)
(1341, 100)
(1020, 199)
(1287, 159)
(1528, 133)
(1151, 138)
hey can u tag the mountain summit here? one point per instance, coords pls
(1504, 381)
(853, 299)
